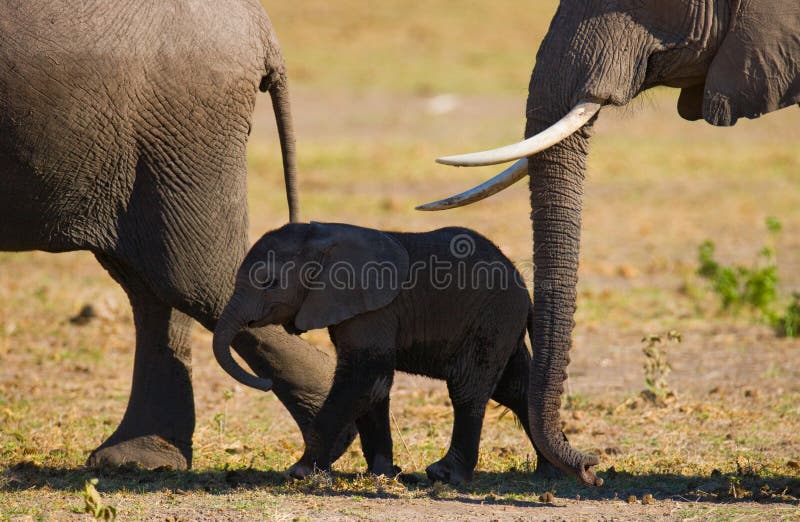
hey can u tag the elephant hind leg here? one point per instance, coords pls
(512, 388)
(156, 430)
(469, 399)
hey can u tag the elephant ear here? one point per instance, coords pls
(358, 270)
(757, 67)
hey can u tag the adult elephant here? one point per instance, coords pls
(730, 58)
(123, 128)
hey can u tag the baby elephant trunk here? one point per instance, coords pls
(231, 323)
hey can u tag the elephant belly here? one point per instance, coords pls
(23, 225)
(54, 210)
(66, 162)
(432, 359)
(460, 347)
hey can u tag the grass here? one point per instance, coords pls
(657, 187)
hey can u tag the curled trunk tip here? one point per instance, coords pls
(228, 326)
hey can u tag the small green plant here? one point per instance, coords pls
(657, 368)
(788, 325)
(92, 504)
(221, 418)
(755, 288)
(773, 225)
(740, 286)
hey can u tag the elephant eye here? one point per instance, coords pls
(270, 285)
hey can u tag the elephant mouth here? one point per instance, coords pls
(291, 329)
(258, 323)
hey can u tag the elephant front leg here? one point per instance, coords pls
(301, 373)
(362, 381)
(376, 440)
(156, 430)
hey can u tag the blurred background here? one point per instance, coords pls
(379, 89)
(380, 92)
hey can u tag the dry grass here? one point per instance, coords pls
(725, 447)
(402, 46)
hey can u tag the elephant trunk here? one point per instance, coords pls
(233, 321)
(556, 182)
(571, 65)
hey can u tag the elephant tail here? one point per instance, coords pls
(277, 84)
(530, 325)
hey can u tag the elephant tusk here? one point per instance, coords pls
(502, 181)
(566, 126)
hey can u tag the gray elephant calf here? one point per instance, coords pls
(445, 304)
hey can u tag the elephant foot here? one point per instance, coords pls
(546, 471)
(383, 466)
(147, 451)
(448, 472)
(306, 467)
(300, 471)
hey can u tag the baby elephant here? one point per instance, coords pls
(445, 304)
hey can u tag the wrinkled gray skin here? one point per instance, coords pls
(731, 59)
(469, 331)
(123, 127)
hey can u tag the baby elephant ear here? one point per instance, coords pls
(357, 270)
(757, 67)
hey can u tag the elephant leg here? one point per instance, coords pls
(376, 440)
(186, 246)
(362, 379)
(511, 392)
(156, 430)
(469, 407)
(301, 373)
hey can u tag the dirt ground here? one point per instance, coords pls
(723, 446)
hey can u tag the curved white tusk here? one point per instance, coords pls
(502, 181)
(574, 120)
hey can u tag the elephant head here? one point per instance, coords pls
(730, 58)
(309, 276)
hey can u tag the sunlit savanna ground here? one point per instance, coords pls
(380, 89)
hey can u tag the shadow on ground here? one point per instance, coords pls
(510, 487)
